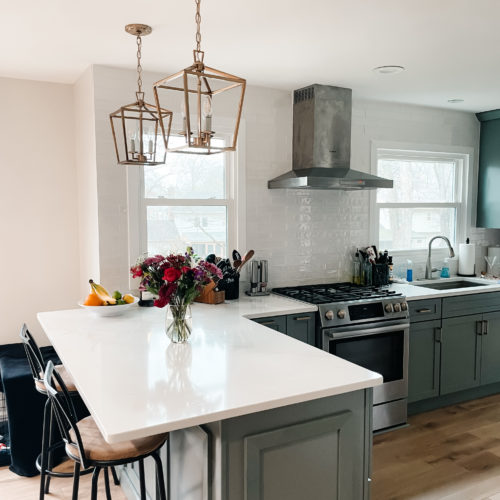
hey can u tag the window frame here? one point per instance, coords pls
(234, 201)
(462, 156)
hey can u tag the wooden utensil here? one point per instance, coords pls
(245, 259)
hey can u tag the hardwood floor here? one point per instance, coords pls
(447, 454)
(14, 487)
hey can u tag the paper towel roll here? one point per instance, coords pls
(466, 259)
(495, 252)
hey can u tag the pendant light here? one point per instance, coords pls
(140, 130)
(200, 89)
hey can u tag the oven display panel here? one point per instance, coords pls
(366, 311)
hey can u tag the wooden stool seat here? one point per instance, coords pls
(98, 450)
(40, 386)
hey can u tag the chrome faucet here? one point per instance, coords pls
(428, 268)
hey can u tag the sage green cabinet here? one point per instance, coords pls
(488, 202)
(424, 360)
(301, 327)
(277, 323)
(490, 348)
(461, 353)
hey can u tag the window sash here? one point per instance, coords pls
(461, 172)
(228, 202)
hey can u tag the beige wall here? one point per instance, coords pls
(39, 251)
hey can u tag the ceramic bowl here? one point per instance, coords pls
(117, 310)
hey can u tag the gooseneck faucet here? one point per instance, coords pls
(428, 268)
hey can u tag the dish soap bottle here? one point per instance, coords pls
(409, 271)
(445, 270)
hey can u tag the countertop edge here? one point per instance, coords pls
(240, 411)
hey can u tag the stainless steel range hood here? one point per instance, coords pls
(322, 143)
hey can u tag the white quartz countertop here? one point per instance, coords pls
(413, 292)
(136, 383)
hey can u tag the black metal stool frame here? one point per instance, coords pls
(64, 413)
(44, 462)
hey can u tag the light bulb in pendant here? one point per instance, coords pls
(183, 114)
(150, 134)
(132, 133)
(207, 113)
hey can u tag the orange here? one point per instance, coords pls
(93, 300)
(128, 298)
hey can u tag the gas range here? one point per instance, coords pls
(368, 326)
(348, 304)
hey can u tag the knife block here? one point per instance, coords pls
(210, 296)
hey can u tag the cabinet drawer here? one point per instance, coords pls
(471, 304)
(425, 310)
(277, 323)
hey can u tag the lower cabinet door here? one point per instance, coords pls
(424, 360)
(301, 327)
(461, 353)
(490, 349)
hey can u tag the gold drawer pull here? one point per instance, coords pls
(424, 310)
(302, 318)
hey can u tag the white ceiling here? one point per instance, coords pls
(450, 48)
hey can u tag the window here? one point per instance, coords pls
(189, 201)
(428, 198)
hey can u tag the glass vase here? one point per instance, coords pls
(178, 324)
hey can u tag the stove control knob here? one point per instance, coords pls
(341, 314)
(388, 308)
(329, 315)
(397, 308)
(404, 306)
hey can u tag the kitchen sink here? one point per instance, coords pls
(449, 285)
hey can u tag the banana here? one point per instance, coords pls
(102, 293)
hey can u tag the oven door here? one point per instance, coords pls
(379, 348)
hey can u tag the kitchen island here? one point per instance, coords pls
(253, 414)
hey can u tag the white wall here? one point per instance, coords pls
(86, 170)
(39, 251)
(308, 236)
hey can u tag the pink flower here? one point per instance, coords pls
(136, 271)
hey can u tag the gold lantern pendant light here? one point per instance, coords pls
(140, 130)
(201, 86)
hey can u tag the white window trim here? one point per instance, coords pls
(235, 202)
(466, 155)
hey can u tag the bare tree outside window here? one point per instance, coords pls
(426, 199)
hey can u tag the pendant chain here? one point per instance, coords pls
(139, 67)
(198, 22)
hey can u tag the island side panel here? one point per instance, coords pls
(318, 449)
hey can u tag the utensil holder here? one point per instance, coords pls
(380, 274)
(232, 287)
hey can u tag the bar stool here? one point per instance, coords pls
(86, 446)
(44, 462)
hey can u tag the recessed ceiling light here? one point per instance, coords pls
(388, 70)
(455, 101)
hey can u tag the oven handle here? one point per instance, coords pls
(361, 332)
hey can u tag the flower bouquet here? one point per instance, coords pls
(176, 280)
